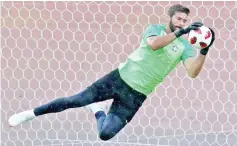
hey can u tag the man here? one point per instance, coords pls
(160, 50)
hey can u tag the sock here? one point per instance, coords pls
(31, 113)
(95, 108)
(99, 114)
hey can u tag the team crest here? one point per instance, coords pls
(174, 48)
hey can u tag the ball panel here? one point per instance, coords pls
(193, 40)
(203, 44)
(208, 35)
(198, 31)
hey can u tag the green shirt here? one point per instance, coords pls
(144, 69)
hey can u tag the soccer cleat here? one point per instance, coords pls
(21, 117)
(98, 106)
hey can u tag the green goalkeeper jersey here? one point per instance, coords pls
(144, 69)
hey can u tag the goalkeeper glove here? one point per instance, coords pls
(182, 31)
(204, 51)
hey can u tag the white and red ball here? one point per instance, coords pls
(200, 38)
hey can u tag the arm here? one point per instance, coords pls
(194, 66)
(157, 42)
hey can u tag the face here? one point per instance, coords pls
(178, 21)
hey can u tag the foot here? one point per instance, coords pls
(21, 117)
(98, 106)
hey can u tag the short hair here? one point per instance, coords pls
(178, 8)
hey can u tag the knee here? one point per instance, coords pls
(106, 134)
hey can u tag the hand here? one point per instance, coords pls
(204, 51)
(193, 26)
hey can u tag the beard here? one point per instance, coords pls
(172, 27)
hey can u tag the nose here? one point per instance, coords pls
(181, 23)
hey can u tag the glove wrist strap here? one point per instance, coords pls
(178, 33)
(204, 51)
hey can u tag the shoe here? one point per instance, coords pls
(98, 106)
(21, 117)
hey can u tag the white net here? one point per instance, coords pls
(56, 49)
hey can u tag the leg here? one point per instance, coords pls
(99, 91)
(108, 126)
(116, 119)
(126, 103)
(88, 96)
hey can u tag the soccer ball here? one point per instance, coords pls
(200, 38)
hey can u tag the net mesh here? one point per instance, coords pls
(56, 49)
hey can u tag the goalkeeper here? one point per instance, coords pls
(160, 50)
